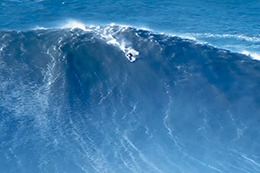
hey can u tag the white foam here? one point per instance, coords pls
(39, 28)
(108, 34)
(2, 47)
(253, 55)
(185, 36)
(75, 24)
(126, 47)
(129, 52)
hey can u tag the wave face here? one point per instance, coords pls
(73, 100)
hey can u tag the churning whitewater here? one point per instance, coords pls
(121, 99)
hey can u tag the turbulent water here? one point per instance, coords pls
(71, 101)
(78, 94)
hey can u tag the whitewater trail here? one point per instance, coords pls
(108, 34)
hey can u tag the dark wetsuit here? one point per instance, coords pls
(130, 55)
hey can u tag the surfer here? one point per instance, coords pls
(130, 56)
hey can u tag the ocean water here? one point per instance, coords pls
(129, 86)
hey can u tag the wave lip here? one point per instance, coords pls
(74, 24)
(253, 55)
(240, 37)
(107, 31)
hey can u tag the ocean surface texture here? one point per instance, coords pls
(158, 86)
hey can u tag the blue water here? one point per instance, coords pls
(129, 86)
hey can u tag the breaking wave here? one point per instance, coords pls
(120, 99)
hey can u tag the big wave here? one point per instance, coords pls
(121, 99)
